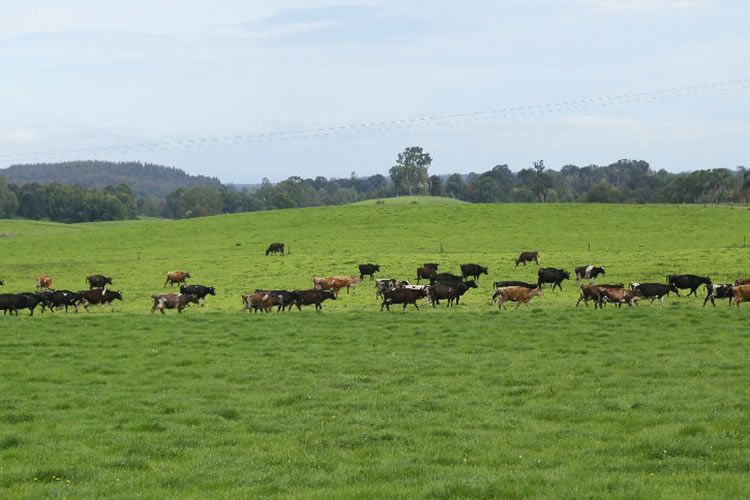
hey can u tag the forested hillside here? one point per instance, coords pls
(145, 179)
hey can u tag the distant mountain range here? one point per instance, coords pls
(144, 178)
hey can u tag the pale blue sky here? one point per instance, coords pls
(89, 80)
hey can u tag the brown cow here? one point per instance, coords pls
(425, 273)
(741, 294)
(177, 301)
(742, 281)
(98, 296)
(313, 296)
(43, 282)
(618, 296)
(527, 257)
(518, 294)
(254, 301)
(332, 284)
(592, 292)
(176, 277)
(349, 281)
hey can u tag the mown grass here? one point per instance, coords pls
(551, 401)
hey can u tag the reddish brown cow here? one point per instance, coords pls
(176, 277)
(741, 294)
(742, 281)
(177, 301)
(43, 282)
(618, 296)
(333, 284)
(98, 296)
(518, 294)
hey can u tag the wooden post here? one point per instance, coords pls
(589, 246)
(441, 247)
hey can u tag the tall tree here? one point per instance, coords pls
(410, 172)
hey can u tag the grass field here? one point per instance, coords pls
(551, 401)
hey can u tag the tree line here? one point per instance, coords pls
(625, 181)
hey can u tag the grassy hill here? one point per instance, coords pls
(550, 401)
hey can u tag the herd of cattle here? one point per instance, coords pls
(442, 286)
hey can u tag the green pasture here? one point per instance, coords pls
(551, 401)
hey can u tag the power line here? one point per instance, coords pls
(404, 123)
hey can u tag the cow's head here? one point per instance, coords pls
(376, 267)
(187, 275)
(483, 270)
(670, 278)
(107, 280)
(673, 288)
(470, 284)
(566, 275)
(2, 282)
(191, 298)
(536, 291)
(707, 280)
(117, 294)
(601, 270)
(211, 291)
(328, 294)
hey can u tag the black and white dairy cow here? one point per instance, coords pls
(384, 284)
(719, 292)
(588, 272)
(691, 281)
(552, 275)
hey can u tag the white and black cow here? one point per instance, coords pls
(690, 281)
(588, 272)
(719, 292)
(383, 284)
(552, 275)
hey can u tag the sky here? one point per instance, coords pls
(243, 90)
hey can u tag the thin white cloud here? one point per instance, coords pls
(630, 6)
(18, 136)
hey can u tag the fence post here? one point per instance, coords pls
(441, 247)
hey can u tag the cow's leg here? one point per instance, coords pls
(415, 304)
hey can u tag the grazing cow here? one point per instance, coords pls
(368, 270)
(473, 270)
(509, 283)
(741, 281)
(450, 291)
(384, 284)
(403, 296)
(348, 281)
(518, 294)
(176, 277)
(199, 290)
(718, 292)
(43, 282)
(58, 298)
(527, 257)
(287, 298)
(2, 282)
(425, 273)
(254, 301)
(741, 294)
(98, 281)
(690, 281)
(177, 301)
(102, 297)
(275, 248)
(654, 291)
(552, 275)
(588, 272)
(313, 296)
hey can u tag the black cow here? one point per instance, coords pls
(446, 278)
(719, 292)
(58, 298)
(403, 296)
(102, 297)
(275, 248)
(450, 291)
(425, 273)
(27, 300)
(98, 281)
(499, 284)
(527, 257)
(432, 265)
(473, 270)
(2, 282)
(198, 290)
(368, 270)
(9, 302)
(552, 275)
(287, 298)
(690, 281)
(654, 291)
(588, 272)
(313, 296)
